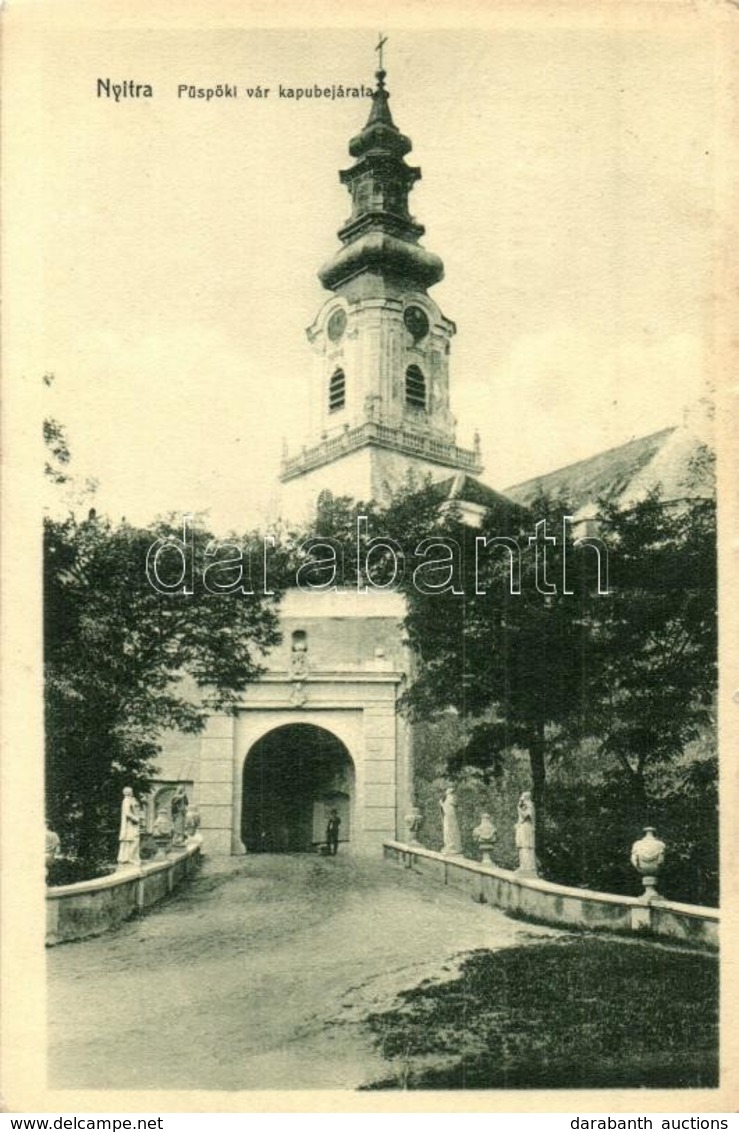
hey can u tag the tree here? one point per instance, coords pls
(57, 448)
(607, 663)
(504, 645)
(508, 663)
(611, 683)
(651, 680)
(124, 662)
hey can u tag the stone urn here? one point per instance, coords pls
(162, 834)
(647, 855)
(414, 821)
(485, 834)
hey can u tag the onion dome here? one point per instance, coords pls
(381, 236)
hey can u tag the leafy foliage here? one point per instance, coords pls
(510, 662)
(124, 662)
(592, 821)
(649, 714)
(623, 679)
(653, 666)
(58, 454)
(634, 669)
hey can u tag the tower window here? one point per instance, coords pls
(415, 388)
(337, 391)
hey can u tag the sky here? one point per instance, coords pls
(569, 182)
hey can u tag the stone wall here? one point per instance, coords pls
(557, 903)
(77, 911)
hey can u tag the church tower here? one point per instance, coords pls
(379, 396)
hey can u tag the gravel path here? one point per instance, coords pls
(258, 975)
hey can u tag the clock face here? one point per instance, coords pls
(337, 324)
(416, 322)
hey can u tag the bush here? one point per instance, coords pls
(592, 820)
(476, 792)
(72, 870)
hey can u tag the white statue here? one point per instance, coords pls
(178, 809)
(162, 832)
(129, 838)
(53, 848)
(414, 821)
(299, 658)
(192, 825)
(526, 835)
(452, 836)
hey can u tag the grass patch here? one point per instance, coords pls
(572, 1014)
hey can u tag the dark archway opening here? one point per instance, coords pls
(293, 777)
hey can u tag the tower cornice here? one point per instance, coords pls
(379, 252)
(430, 449)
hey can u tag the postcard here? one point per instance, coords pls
(367, 396)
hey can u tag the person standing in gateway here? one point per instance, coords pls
(332, 832)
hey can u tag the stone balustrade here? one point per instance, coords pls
(432, 448)
(91, 907)
(559, 904)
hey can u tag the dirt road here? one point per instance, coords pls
(257, 976)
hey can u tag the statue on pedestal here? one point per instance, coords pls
(299, 658)
(526, 835)
(162, 833)
(53, 848)
(178, 806)
(192, 824)
(452, 836)
(129, 838)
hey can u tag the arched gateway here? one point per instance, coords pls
(322, 732)
(293, 777)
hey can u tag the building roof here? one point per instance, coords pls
(669, 460)
(604, 476)
(473, 498)
(466, 489)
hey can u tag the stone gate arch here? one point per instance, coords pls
(292, 776)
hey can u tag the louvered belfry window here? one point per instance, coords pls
(337, 391)
(415, 388)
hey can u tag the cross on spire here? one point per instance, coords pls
(381, 41)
